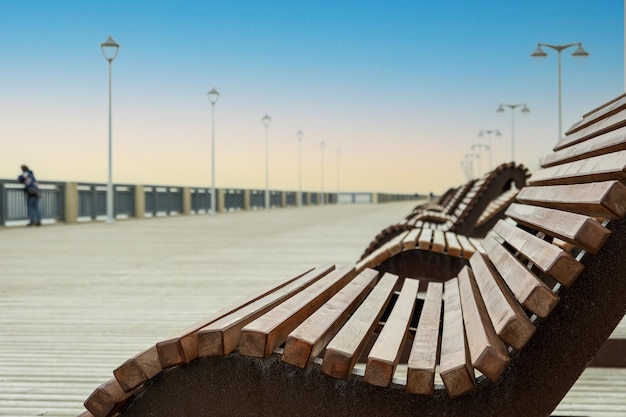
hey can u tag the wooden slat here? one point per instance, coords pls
(260, 337)
(223, 335)
(107, 399)
(507, 316)
(607, 143)
(410, 240)
(601, 112)
(307, 340)
(345, 348)
(453, 246)
(455, 365)
(608, 124)
(606, 167)
(579, 230)
(424, 240)
(385, 354)
(477, 244)
(423, 357)
(488, 353)
(138, 369)
(549, 258)
(597, 199)
(439, 242)
(468, 248)
(183, 347)
(529, 290)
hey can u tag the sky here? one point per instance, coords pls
(397, 90)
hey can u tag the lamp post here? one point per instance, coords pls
(266, 122)
(470, 165)
(322, 145)
(578, 53)
(214, 95)
(524, 110)
(338, 170)
(481, 134)
(110, 49)
(479, 146)
(299, 135)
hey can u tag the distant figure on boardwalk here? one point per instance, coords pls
(33, 195)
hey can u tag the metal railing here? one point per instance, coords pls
(87, 201)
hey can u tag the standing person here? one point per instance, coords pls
(33, 195)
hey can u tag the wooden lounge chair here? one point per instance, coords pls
(509, 333)
(471, 211)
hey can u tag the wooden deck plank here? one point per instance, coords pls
(260, 337)
(423, 357)
(410, 241)
(605, 125)
(307, 340)
(439, 242)
(138, 369)
(468, 248)
(345, 348)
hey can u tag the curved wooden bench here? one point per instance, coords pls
(471, 211)
(508, 334)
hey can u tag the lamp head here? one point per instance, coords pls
(500, 109)
(214, 95)
(299, 135)
(322, 145)
(109, 49)
(539, 53)
(266, 120)
(580, 52)
(525, 109)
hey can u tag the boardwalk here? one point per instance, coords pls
(77, 300)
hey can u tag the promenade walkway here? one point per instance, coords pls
(77, 300)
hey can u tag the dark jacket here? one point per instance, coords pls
(31, 186)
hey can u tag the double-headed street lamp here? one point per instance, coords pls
(524, 110)
(110, 49)
(481, 134)
(479, 146)
(322, 146)
(266, 122)
(214, 95)
(299, 135)
(578, 53)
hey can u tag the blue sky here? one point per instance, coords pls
(401, 88)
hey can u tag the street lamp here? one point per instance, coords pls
(338, 170)
(481, 134)
(322, 145)
(469, 163)
(578, 53)
(524, 110)
(110, 49)
(479, 146)
(266, 121)
(299, 135)
(214, 95)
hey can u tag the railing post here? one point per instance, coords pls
(220, 203)
(186, 194)
(246, 199)
(70, 202)
(140, 202)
